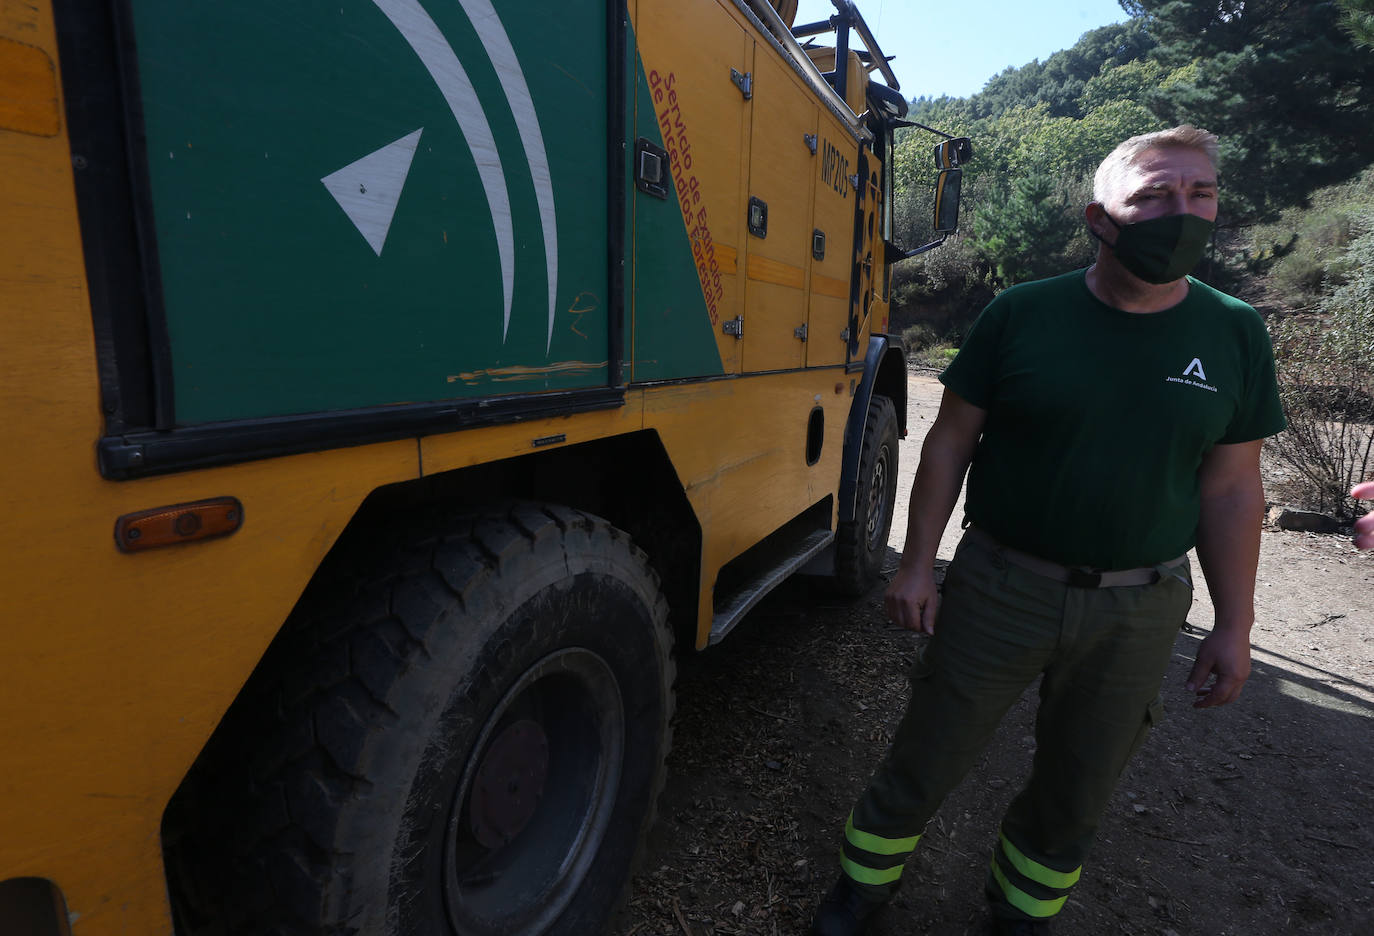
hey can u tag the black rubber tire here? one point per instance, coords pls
(363, 754)
(861, 543)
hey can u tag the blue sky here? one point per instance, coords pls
(954, 48)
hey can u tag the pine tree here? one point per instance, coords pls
(1359, 21)
(1288, 92)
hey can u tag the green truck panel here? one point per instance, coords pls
(346, 200)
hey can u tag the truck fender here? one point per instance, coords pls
(884, 373)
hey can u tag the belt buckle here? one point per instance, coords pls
(1082, 578)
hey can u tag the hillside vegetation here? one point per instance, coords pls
(1288, 86)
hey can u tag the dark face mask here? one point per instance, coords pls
(1160, 250)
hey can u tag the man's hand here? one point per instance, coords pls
(1364, 527)
(912, 599)
(1225, 655)
(945, 455)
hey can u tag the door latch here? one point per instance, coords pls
(758, 216)
(651, 168)
(800, 331)
(734, 326)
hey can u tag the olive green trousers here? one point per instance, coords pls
(1102, 651)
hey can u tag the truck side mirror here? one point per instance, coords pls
(947, 185)
(953, 153)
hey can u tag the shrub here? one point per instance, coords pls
(1316, 261)
(918, 337)
(934, 357)
(944, 289)
(1305, 248)
(1327, 388)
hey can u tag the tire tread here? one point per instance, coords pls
(258, 813)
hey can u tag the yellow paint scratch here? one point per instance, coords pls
(517, 373)
(584, 303)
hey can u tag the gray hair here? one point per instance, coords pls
(1127, 152)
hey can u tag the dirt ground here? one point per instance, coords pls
(1254, 819)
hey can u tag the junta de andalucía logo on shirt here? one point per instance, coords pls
(1194, 375)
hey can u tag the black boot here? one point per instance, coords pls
(845, 911)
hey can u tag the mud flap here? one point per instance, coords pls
(879, 349)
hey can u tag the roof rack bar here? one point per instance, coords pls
(842, 24)
(767, 19)
(847, 9)
(848, 15)
(813, 29)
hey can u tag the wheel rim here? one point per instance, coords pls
(877, 498)
(535, 797)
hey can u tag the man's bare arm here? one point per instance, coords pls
(1228, 542)
(1364, 527)
(945, 456)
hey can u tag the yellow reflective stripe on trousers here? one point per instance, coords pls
(1038, 872)
(869, 875)
(1023, 901)
(876, 843)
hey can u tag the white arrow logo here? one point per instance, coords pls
(1195, 368)
(369, 189)
(436, 54)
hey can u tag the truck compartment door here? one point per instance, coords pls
(374, 202)
(833, 220)
(778, 252)
(683, 289)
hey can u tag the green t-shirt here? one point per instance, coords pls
(1098, 419)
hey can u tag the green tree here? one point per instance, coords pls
(1072, 148)
(1289, 93)
(1358, 20)
(1130, 82)
(1026, 231)
(1059, 82)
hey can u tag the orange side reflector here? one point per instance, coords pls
(28, 89)
(179, 523)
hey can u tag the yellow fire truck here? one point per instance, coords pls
(394, 387)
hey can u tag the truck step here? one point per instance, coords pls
(788, 559)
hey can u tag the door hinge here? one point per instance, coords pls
(844, 335)
(734, 327)
(800, 331)
(745, 82)
(810, 140)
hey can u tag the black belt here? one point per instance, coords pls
(1074, 576)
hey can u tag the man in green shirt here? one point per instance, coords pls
(1109, 420)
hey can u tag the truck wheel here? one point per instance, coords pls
(861, 543)
(481, 742)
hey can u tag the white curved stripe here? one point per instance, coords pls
(502, 54)
(443, 66)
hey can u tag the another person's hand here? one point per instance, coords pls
(1364, 527)
(912, 599)
(1225, 655)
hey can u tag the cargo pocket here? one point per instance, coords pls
(923, 665)
(1154, 714)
